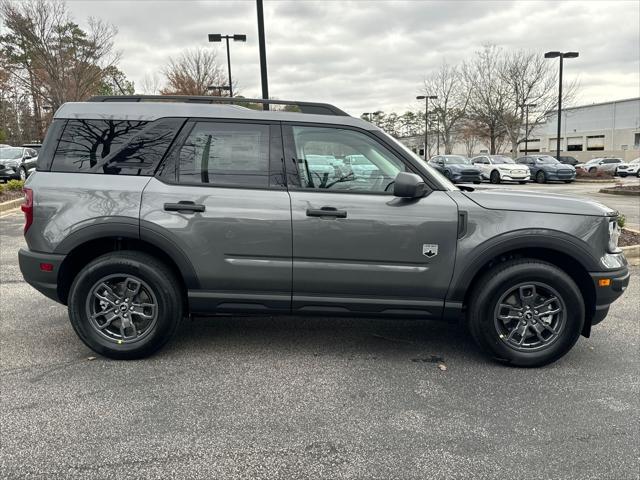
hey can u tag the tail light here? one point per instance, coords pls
(27, 208)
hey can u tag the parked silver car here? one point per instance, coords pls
(600, 165)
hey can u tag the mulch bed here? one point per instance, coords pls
(628, 238)
(10, 195)
(626, 188)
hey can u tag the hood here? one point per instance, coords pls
(525, 201)
(462, 166)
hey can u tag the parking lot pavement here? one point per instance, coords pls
(247, 397)
(628, 205)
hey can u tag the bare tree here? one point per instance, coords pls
(488, 95)
(150, 84)
(450, 107)
(530, 79)
(192, 72)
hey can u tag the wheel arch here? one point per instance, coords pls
(89, 245)
(568, 263)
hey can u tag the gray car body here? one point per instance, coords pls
(552, 171)
(255, 250)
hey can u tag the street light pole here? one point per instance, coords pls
(216, 37)
(526, 125)
(426, 120)
(562, 56)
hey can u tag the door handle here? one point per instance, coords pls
(184, 206)
(326, 212)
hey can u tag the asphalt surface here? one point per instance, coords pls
(309, 398)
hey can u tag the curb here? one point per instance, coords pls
(612, 191)
(585, 180)
(11, 204)
(632, 254)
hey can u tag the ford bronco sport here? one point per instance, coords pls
(144, 210)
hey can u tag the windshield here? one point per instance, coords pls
(547, 160)
(501, 159)
(10, 153)
(456, 159)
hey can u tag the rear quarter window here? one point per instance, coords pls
(115, 147)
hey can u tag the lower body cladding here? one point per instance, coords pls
(609, 286)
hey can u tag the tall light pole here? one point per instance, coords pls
(526, 107)
(562, 56)
(263, 54)
(216, 37)
(426, 120)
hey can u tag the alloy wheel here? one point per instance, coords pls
(122, 308)
(530, 316)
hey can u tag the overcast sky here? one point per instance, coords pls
(373, 55)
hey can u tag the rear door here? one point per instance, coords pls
(220, 198)
(357, 249)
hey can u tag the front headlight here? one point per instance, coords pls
(614, 235)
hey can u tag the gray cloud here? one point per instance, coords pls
(373, 55)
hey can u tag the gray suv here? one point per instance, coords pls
(145, 210)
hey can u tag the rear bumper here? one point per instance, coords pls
(606, 295)
(46, 282)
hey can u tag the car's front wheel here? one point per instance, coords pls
(526, 313)
(23, 173)
(125, 305)
(541, 177)
(593, 170)
(495, 177)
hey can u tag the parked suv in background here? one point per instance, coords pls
(499, 168)
(630, 168)
(15, 162)
(456, 168)
(545, 168)
(141, 213)
(600, 165)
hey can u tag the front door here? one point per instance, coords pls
(357, 249)
(220, 199)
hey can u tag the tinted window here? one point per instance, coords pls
(85, 143)
(225, 154)
(144, 152)
(374, 172)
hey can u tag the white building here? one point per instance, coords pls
(608, 129)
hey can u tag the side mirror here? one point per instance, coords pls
(409, 185)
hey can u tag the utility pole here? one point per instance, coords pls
(263, 55)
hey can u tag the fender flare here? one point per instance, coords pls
(552, 240)
(122, 228)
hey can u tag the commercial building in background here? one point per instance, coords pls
(608, 129)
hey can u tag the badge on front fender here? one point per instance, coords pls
(430, 250)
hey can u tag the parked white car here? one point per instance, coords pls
(600, 165)
(630, 168)
(499, 168)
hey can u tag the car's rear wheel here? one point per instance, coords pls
(526, 313)
(125, 305)
(495, 177)
(541, 177)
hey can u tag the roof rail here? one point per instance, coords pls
(303, 107)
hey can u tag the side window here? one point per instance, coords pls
(144, 152)
(344, 160)
(85, 143)
(233, 154)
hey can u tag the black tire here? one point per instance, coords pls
(490, 289)
(638, 174)
(161, 282)
(494, 177)
(593, 170)
(23, 174)
(541, 177)
(447, 174)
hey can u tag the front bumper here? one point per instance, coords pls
(617, 280)
(45, 281)
(466, 178)
(561, 176)
(515, 177)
